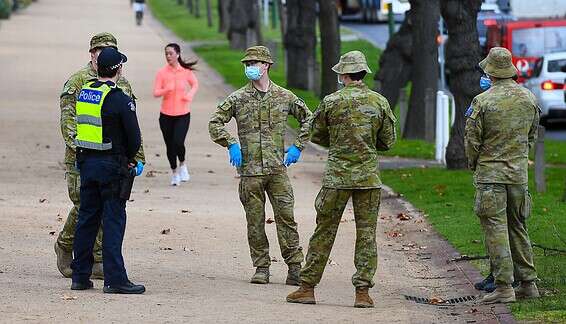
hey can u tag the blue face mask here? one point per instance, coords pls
(253, 73)
(485, 83)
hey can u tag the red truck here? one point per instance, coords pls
(527, 40)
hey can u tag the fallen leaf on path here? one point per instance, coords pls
(403, 216)
(150, 174)
(185, 211)
(274, 259)
(437, 300)
(332, 262)
(146, 191)
(208, 155)
(67, 297)
(52, 233)
(42, 200)
(423, 230)
(394, 234)
(423, 247)
(150, 210)
(210, 171)
(472, 310)
(165, 248)
(157, 154)
(166, 231)
(269, 220)
(59, 219)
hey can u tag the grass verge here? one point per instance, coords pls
(446, 197)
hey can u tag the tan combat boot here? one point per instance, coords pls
(261, 276)
(502, 294)
(64, 260)
(303, 295)
(97, 271)
(527, 289)
(293, 275)
(363, 300)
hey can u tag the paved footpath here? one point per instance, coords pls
(199, 271)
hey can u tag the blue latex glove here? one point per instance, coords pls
(293, 155)
(137, 170)
(485, 83)
(235, 155)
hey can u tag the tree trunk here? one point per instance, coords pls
(396, 62)
(197, 8)
(424, 76)
(282, 18)
(329, 43)
(243, 31)
(462, 57)
(300, 44)
(208, 14)
(223, 15)
(190, 6)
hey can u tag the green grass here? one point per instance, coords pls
(447, 197)
(555, 151)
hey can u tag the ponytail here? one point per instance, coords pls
(185, 64)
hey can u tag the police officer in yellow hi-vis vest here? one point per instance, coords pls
(108, 138)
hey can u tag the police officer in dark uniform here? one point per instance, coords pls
(108, 137)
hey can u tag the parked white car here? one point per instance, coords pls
(547, 83)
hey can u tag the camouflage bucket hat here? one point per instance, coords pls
(103, 40)
(351, 62)
(498, 63)
(258, 53)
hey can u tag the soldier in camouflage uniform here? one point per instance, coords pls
(68, 99)
(355, 123)
(501, 127)
(260, 109)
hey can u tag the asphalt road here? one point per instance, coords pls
(378, 34)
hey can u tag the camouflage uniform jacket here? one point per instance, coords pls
(67, 103)
(262, 123)
(500, 129)
(354, 123)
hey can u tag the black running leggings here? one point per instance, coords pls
(174, 130)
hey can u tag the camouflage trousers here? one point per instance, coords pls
(67, 235)
(252, 195)
(330, 204)
(503, 210)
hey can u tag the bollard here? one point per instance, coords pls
(403, 108)
(540, 181)
(442, 126)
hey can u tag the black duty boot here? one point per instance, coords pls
(125, 288)
(489, 281)
(76, 285)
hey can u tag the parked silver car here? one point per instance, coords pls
(547, 83)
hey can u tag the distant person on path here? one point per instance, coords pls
(108, 137)
(260, 109)
(139, 8)
(354, 123)
(177, 84)
(501, 127)
(68, 100)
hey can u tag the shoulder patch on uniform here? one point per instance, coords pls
(132, 106)
(469, 111)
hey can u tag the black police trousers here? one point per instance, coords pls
(101, 180)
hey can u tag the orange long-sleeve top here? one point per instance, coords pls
(177, 86)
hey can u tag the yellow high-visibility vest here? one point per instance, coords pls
(89, 119)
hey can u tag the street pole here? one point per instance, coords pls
(390, 19)
(441, 59)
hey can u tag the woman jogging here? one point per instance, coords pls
(177, 84)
